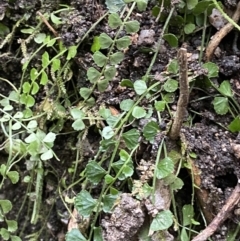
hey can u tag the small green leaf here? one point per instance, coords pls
(188, 214)
(138, 112)
(35, 88)
(44, 78)
(114, 6)
(96, 44)
(127, 104)
(26, 87)
(103, 84)
(162, 221)
(184, 235)
(123, 43)
(47, 155)
(131, 138)
(78, 125)
(212, 69)
(225, 89)
(171, 39)
(99, 58)
(12, 225)
(170, 85)
(110, 73)
(201, 7)
(127, 171)
(105, 41)
(6, 206)
(116, 58)
(221, 105)
(32, 124)
(132, 26)
(164, 168)
(45, 59)
(140, 86)
(55, 19)
(75, 235)
(28, 100)
(15, 238)
(107, 132)
(160, 105)
(169, 97)
(191, 4)
(177, 184)
(108, 202)
(4, 234)
(173, 67)
(127, 83)
(39, 38)
(114, 21)
(189, 28)
(150, 130)
(108, 179)
(94, 172)
(13, 176)
(142, 5)
(93, 75)
(56, 63)
(85, 92)
(234, 126)
(33, 74)
(76, 113)
(84, 203)
(72, 51)
(50, 137)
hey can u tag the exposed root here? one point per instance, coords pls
(221, 216)
(216, 39)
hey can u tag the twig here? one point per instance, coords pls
(48, 24)
(221, 216)
(183, 96)
(216, 39)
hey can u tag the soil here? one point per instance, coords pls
(217, 149)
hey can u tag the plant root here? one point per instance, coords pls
(217, 38)
(221, 216)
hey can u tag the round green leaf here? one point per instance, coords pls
(93, 75)
(127, 104)
(102, 85)
(85, 92)
(171, 39)
(160, 105)
(132, 26)
(170, 85)
(13, 176)
(99, 58)
(150, 130)
(116, 58)
(110, 72)
(225, 88)
(123, 43)
(47, 155)
(107, 132)
(105, 41)
(221, 105)
(189, 28)
(39, 38)
(78, 125)
(162, 221)
(75, 235)
(114, 21)
(164, 168)
(138, 112)
(50, 137)
(140, 86)
(212, 69)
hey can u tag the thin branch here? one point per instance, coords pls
(221, 216)
(183, 96)
(216, 39)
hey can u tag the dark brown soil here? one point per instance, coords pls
(216, 158)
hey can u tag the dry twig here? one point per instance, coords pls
(221, 216)
(183, 96)
(216, 39)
